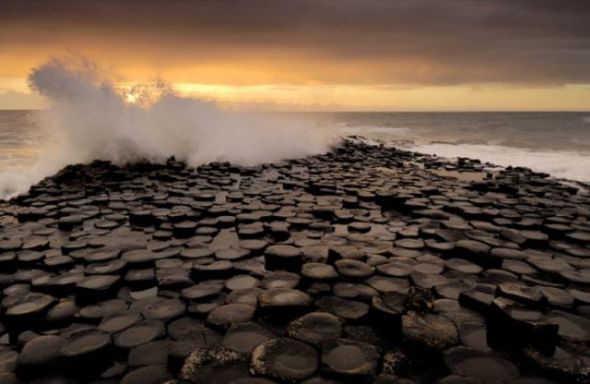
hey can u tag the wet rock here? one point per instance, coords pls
(26, 310)
(453, 289)
(152, 374)
(187, 328)
(9, 378)
(349, 290)
(232, 254)
(566, 363)
(139, 258)
(409, 243)
(428, 280)
(255, 246)
(153, 353)
(315, 328)
(430, 330)
(197, 253)
(550, 266)
(285, 360)
(184, 229)
(280, 279)
(521, 292)
(8, 358)
(226, 315)
(282, 257)
(140, 333)
(479, 297)
(164, 310)
(214, 365)
(350, 360)
(534, 238)
(284, 303)
(427, 268)
(386, 313)
(62, 313)
(244, 337)
(474, 335)
(388, 284)
(140, 279)
(201, 291)
(216, 270)
(582, 237)
(463, 266)
(96, 288)
(118, 322)
(318, 271)
(518, 267)
(477, 252)
(581, 296)
(315, 253)
(581, 276)
(572, 328)
(480, 366)
(348, 309)
(241, 282)
(396, 268)
(354, 269)
(88, 352)
(359, 227)
(141, 218)
(156, 255)
(96, 312)
(346, 252)
(251, 231)
(67, 223)
(393, 361)
(516, 325)
(40, 355)
(244, 296)
(556, 297)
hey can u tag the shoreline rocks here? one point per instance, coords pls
(366, 264)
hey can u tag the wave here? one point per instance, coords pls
(89, 119)
(560, 164)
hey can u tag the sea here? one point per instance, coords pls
(557, 143)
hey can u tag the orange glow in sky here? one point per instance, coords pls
(317, 55)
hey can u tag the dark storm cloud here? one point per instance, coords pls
(413, 41)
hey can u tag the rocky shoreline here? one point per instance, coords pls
(364, 265)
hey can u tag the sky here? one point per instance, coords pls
(404, 55)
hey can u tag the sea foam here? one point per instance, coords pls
(89, 119)
(568, 165)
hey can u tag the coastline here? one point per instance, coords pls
(401, 260)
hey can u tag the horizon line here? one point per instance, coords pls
(374, 111)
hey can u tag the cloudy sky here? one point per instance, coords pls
(351, 55)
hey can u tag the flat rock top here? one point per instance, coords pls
(284, 297)
(283, 251)
(87, 342)
(331, 268)
(349, 358)
(284, 359)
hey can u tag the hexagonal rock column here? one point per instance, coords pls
(285, 360)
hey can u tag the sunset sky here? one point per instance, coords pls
(315, 55)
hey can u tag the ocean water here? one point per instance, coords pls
(21, 138)
(556, 143)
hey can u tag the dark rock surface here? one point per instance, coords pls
(363, 265)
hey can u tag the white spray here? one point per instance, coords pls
(90, 120)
